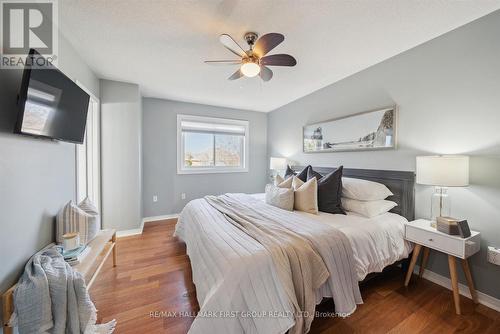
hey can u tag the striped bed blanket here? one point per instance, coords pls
(259, 269)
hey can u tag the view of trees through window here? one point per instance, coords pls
(209, 149)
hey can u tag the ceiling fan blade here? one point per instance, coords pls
(236, 75)
(223, 62)
(265, 73)
(231, 45)
(267, 42)
(278, 60)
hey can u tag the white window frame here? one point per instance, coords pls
(181, 169)
(88, 155)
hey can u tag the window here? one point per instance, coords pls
(211, 145)
(88, 179)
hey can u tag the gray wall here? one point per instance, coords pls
(121, 119)
(448, 91)
(160, 153)
(37, 177)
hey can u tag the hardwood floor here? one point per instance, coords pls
(154, 275)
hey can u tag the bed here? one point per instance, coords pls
(240, 287)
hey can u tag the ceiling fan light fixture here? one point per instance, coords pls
(255, 61)
(250, 69)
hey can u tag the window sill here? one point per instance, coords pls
(210, 171)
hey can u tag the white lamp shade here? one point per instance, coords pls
(444, 170)
(277, 164)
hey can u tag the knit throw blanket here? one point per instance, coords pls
(52, 298)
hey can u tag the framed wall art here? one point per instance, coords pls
(372, 130)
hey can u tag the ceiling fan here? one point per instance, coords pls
(254, 61)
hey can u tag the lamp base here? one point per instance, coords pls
(440, 203)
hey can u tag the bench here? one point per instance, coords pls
(100, 248)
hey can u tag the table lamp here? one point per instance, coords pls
(276, 165)
(442, 171)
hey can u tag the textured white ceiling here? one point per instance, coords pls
(161, 45)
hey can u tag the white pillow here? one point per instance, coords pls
(73, 219)
(364, 190)
(306, 195)
(88, 206)
(282, 198)
(367, 209)
(83, 219)
(94, 223)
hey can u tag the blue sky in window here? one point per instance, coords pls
(198, 142)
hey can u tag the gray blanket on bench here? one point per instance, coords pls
(52, 298)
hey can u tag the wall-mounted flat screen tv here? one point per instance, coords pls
(51, 105)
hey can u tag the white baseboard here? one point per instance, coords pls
(128, 233)
(164, 217)
(136, 231)
(483, 298)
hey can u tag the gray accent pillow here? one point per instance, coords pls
(302, 175)
(282, 198)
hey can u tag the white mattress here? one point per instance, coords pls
(376, 242)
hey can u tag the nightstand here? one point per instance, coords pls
(426, 237)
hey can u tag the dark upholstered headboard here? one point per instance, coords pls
(401, 183)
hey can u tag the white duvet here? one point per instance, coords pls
(376, 242)
(232, 271)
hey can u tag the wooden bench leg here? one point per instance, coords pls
(7, 330)
(414, 258)
(8, 308)
(454, 282)
(423, 264)
(114, 249)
